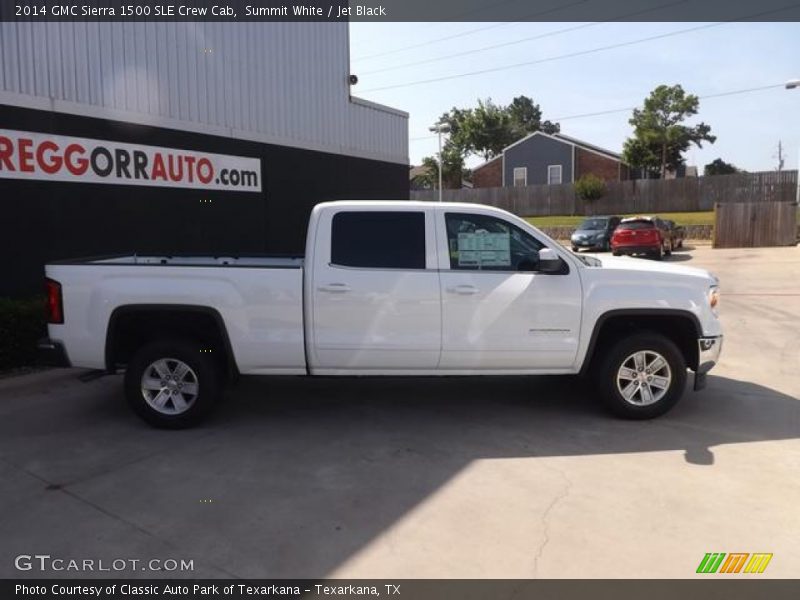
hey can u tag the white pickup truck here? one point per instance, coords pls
(386, 288)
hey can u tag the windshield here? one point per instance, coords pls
(593, 224)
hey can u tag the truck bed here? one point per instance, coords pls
(264, 261)
(258, 298)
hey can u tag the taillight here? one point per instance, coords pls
(55, 306)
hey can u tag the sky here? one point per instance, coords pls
(711, 59)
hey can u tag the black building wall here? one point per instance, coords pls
(42, 221)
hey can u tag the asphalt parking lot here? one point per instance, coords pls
(427, 478)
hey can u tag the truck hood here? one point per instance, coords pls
(627, 263)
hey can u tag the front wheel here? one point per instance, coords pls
(172, 384)
(642, 376)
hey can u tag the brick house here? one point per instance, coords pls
(488, 174)
(542, 158)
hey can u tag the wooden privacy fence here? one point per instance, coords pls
(643, 196)
(750, 224)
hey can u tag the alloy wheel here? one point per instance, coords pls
(644, 378)
(169, 386)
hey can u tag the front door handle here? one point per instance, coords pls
(463, 290)
(334, 288)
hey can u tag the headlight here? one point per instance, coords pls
(713, 299)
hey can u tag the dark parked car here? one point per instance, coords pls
(677, 233)
(595, 233)
(642, 235)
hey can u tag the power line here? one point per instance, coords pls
(465, 33)
(429, 42)
(543, 60)
(630, 108)
(522, 40)
(573, 54)
(705, 97)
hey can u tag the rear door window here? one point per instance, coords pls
(378, 239)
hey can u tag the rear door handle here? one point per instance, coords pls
(334, 288)
(464, 290)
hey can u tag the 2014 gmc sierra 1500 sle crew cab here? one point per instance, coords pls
(387, 288)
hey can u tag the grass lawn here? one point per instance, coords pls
(681, 218)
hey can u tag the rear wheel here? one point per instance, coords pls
(668, 248)
(642, 376)
(659, 253)
(172, 383)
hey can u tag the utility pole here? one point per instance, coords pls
(440, 128)
(779, 156)
(794, 84)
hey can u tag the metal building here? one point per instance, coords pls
(230, 132)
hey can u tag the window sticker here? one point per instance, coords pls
(484, 249)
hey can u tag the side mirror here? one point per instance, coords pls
(549, 261)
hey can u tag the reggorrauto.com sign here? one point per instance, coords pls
(46, 157)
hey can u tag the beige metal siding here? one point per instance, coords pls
(282, 83)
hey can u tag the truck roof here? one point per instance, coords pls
(402, 204)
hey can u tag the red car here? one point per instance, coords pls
(641, 235)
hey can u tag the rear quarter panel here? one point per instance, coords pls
(260, 307)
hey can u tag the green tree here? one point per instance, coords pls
(452, 173)
(660, 136)
(645, 157)
(488, 128)
(589, 188)
(719, 167)
(526, 117)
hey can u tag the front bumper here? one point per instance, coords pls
(51, 354)
(708, 351)
(587, 243)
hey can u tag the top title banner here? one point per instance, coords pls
(402, 10)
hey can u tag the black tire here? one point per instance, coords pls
(668, 249)
(575, 249)
(608, 379)
(658, 254)
(616, 253)
(205, 373)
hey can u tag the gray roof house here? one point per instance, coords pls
(542, 158)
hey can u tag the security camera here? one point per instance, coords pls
(353, 79)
